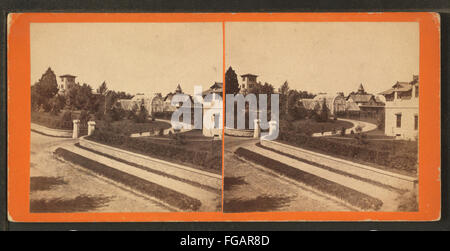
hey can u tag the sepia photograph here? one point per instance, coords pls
(342, 134)
(223, 117)
(103, 96)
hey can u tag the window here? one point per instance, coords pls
(416, 122)
(416, 91)
(399, 120)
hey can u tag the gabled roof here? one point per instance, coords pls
(217, 87)
(360, 98)
(398, 87)
(351, 106)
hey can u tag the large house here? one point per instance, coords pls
(168, 99)
(248, 82)
(364, 102)
(216, 88)
(65, 82)
(402, 109)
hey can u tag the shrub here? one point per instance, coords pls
(67, 117)
(54, 122)
(84, 117)
(343, 131)
(141, 116)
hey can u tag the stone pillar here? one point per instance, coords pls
(273, 131)
(272, 127)
(256, 129)
(76, 128)
(91, 127)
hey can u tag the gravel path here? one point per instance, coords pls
(366, 127)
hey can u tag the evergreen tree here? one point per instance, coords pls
(231, 82)
(47, 85)
(45, 89)
(284, 92)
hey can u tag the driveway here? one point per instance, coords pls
(250, 188)
(365, 126)
(58, 186)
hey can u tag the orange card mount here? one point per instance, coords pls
(220, 29)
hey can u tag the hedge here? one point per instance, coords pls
(54, 123)
(204, 159)
(384, 158)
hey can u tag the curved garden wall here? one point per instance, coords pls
(239, 132)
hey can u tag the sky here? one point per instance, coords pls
(323, 56)
(130, 57)
(155, 57)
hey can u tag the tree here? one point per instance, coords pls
(231, 82)
(323, 114)
(102, 89)
(284, 92)
(296, 110)
(56, 104)
(36, 98)
(47, 85)
(45, 89)
(84, 97)
(142, 115)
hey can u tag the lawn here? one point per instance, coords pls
(396, 147)
(128, 127)
(192, 140)
(312, 126)
(398, 156)
(201, 154)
